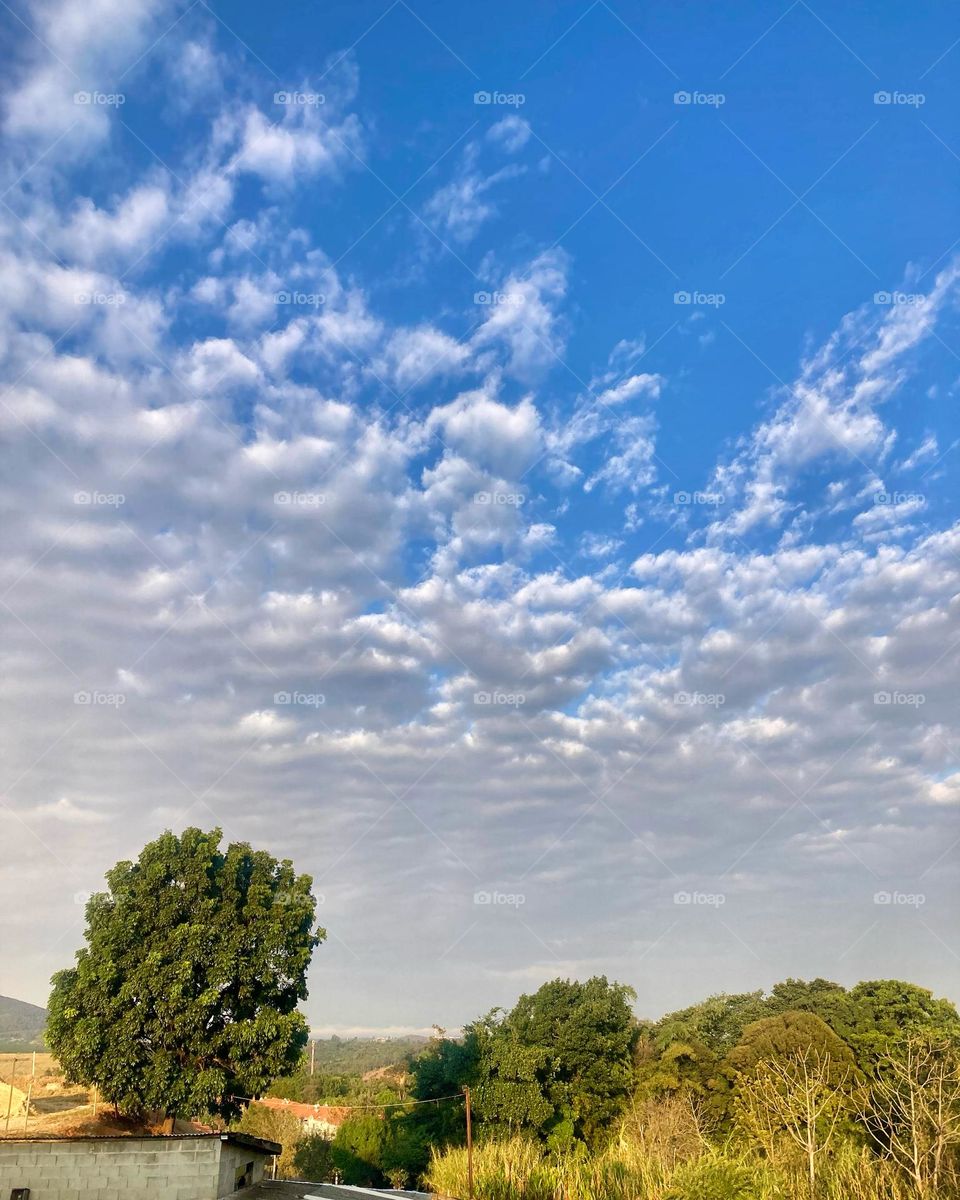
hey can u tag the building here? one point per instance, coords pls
(196, 1166)
(324, 1119)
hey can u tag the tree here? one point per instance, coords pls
(184, 999)
(799, 1097)
(276, 1126)
(560, 1064)
(789, 1034)
(313, 1159)
(915, 1111)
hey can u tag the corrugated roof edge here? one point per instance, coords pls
(237, 1139)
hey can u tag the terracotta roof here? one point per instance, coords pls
(331, 1113)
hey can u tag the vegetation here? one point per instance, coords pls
(810, 1091)
(184, 999)
(21, 1025)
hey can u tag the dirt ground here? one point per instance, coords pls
(58, 1109)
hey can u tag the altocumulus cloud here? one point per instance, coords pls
(303, 569)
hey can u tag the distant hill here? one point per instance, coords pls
(21, 1025)
(358, 1056)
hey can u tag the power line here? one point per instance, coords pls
(354, 1107)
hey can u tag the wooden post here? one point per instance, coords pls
(96, 1097)
(313, 1051)
(466, 1093)
(13, 1076)
(26, 1107)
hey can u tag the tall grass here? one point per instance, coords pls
(518, 1169)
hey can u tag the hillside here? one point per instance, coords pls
(21, 1024)
(357, 1056)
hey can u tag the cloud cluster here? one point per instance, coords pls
(363, 589)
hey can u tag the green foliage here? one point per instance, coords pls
(559, 1065)
(357, 1150)
(788, 1034)
(313, 1159)
(185, 997)
(715, 1177)
(276, 1126)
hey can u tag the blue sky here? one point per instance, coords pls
(502, 457)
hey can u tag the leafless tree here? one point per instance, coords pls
(800, 1098)
(914, 1111)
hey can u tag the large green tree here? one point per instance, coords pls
(560, 1064)
(184, 999)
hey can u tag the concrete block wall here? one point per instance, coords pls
(235, 1161)
(116, 1168)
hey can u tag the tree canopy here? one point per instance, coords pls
(184, 999)
(560, 1063)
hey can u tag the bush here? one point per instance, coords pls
(715, 1178)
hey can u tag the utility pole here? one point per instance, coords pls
(313, 1052)
(466, 1093)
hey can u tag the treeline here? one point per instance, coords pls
(809, 1090)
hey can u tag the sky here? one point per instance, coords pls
(502, 457)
